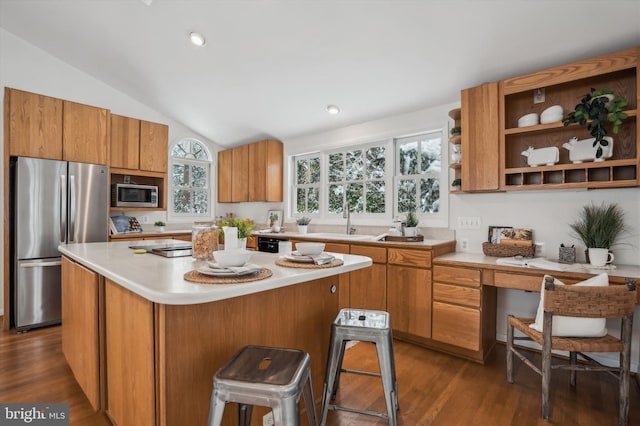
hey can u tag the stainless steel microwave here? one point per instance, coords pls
(131, 195)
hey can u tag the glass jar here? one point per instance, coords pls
(204, 240)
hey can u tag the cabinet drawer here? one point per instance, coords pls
(460, 276)
(456, 325)
(517, 281)
(456, 294)
(337, 247)
(406, 257)
(378, 254)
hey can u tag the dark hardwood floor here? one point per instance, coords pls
(434, 388)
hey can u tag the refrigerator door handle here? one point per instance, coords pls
(72, 208)
(63, 208)
(40, 264)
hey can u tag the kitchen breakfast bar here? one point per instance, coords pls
(144, 343)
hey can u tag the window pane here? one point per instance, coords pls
(180, 175)
(181, 201)
(354, 165)
(430, 158)
(336, 198)
(375, 197)
(198, 151)
(313, 200)
(302, 171)
(409, 158)
(375, 162)
(406, 195)
(314, 170)
(200, 202)
(179, 150)
(429, 195)
(301, 200)
(199, 176)
(336, 168)
(355, 197)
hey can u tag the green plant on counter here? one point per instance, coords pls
(599, 226)
(594, 110)
(412, 220)
(159, 223)
(303, 221)
(244, 226)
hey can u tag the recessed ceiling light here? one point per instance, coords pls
(197, 38)
(333, 109)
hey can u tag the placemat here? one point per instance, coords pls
(196, 277)
(291, 264)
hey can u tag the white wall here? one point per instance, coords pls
(25, 67)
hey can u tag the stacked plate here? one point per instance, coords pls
(528, 120)
(215, 270)
(318, 259)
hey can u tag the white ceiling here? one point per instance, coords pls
(270, 68)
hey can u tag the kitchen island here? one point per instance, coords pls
(144, 343)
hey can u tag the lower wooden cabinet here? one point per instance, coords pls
(368, 287)
(409, 300)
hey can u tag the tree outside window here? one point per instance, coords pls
(307, 184)
(190, 177)
(419, 165)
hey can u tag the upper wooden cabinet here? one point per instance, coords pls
(138, 144)
(265, 171)
(251, 172)
(34, 124)
(85, 133)
(480, 138)
(565, 86)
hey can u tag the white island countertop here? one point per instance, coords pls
(161, 280)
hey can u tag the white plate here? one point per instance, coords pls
(223, 272)
(295, 257)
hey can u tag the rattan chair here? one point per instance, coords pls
(615, 301)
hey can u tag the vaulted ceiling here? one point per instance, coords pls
(270, 68)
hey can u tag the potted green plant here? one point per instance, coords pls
(599, 226)
(411, 223)
(245, 226)
(596, 109)
(160, 225)
(457, 183)
(302, 223)
(456, 131)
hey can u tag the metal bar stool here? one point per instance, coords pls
(271, 377)
(365, 326)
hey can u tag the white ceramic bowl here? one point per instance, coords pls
(552, 114)
(309, 249)
(528, 120)
(230, 258)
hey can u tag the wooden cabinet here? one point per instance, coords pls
(225, 168)
(251, 172)
(240, 174)
(266, 171)
(480, 138)
(564, 86)
(409, 291)
(138, 144)
(80, 327)
(456, 147)
(85, 133)
(34, 124)
(368, 286)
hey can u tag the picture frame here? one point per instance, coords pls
(277, 215)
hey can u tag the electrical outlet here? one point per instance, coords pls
(145, 219)
(538, 96)
(464, 244)
(267, 420)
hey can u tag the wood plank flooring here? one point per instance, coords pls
(434, 388)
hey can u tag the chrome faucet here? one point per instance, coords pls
(346, 214)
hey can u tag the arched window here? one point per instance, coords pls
(190, 178)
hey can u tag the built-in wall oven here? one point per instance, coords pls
(269, 244)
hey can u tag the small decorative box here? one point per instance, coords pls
(567, 255)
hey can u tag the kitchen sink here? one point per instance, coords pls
(338, 236)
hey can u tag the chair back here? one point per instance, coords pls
(614, 301)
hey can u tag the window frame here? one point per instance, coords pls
(190, 162)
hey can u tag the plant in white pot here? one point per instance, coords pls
(599, 227)
(302, 223)
(411, 223)
(159, 225)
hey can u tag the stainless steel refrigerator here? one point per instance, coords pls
(52, 203)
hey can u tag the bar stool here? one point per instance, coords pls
(365, 326)
(272, 377)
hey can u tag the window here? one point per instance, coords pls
(418, 171)
(357, 177)
(307, 184)
(190, 178)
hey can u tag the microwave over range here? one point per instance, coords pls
(131, 195)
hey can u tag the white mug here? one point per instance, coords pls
(599, 257)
